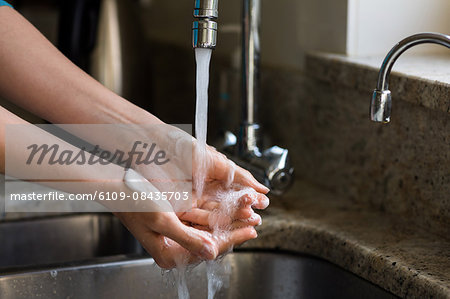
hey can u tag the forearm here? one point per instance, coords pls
(37, 77)
(16, 135)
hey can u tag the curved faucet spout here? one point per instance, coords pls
(380, 108)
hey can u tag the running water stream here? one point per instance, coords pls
(203, 58)
(226, 197)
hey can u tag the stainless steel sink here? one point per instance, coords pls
(93, 256)
(51, 240)
(253, 275)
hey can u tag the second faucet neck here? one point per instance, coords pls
(380, 108)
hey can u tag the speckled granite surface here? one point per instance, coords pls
(389, 251)
(401, 168)
(420, 79)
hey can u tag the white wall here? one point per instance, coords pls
(376, 25)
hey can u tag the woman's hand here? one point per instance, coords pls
(225, 188)
(170, 242)
(226, 209)
(218, 167)
(221, 217)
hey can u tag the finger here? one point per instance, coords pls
(203, 219)
(154, 244)
(150, 229)
(166, 250)
(262, 202)
(235, 238)
(196, 216)
(241, 212)
(210, 205)
(167, 253)
(223, 170)
(254, 221)
(245, 178)
(196, 241)
(244, 210)
(247, 200)
(255, 200)
(202, 227)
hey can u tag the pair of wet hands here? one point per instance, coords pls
(222, 216)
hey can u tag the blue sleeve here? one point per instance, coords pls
(4, 3)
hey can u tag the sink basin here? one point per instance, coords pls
(62, 239)
(94, 256)
(253, 275)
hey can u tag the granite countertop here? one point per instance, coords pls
(384, 248)
(422, 79)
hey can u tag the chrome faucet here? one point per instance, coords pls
(380, 107)
(204, 28)
(271, 166)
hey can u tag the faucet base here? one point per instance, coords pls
(271, 167)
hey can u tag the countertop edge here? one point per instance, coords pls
(342, 70)
(284, 230)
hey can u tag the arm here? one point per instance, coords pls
(37, 77)
(162, 234)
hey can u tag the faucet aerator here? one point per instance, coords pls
(380, 107)
(204, 28)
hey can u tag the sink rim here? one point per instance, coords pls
(128, 262)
